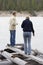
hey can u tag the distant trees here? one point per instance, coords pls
(37, 4)
(8, 4)
(23, 5)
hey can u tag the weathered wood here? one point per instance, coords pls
(36, 51)
(36, 58)
(4, 60)
(18, 51)
(14, 60)
(8, 55)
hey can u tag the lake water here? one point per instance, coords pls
(36, 41)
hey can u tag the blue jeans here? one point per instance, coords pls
(12, 37)
(27, 38)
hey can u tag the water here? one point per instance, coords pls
(36, 41)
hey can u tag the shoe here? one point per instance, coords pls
(26, 53)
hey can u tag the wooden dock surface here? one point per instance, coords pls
(16, 55)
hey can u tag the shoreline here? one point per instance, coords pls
(9, 13)
(22, 13)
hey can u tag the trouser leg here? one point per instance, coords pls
(14, 33)
(25, 44)
(29, 44)
(12, 37)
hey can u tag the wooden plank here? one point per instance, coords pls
(18, 51)
(36, 51)
(4, 60)
(14, 60)
(19, 44)
(37, 59)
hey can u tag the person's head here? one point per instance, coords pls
(14, 13)
(27, 17)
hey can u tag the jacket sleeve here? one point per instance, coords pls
(32, 28)
(22, 25)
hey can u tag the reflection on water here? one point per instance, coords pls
(36, 41)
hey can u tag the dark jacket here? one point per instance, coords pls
(27, 26)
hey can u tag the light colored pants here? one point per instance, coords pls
(27, 42)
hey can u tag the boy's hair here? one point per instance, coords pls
(14, 13)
